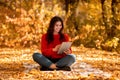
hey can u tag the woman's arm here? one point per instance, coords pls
(44, 47)
(68, 51)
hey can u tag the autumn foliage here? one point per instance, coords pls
(91, 64)
(91, 25)
(23, 22)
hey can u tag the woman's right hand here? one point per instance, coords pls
(56, 48)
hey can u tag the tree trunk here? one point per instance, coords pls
(115, 22)
(104, 20)
(110, 26)
(66, 3)
(70, 19)
(70, 2)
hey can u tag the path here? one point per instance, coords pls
(91, 64)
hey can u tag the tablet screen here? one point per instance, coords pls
(64, 46)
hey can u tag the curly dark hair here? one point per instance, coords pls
(51, 29)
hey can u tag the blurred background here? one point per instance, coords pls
(89, 23)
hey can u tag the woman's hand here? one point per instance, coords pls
(68, 51)
(56, 48)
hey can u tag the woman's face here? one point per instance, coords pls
(57, 27)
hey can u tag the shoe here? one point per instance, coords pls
(45, 69)
(65, 68)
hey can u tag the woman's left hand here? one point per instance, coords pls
(68, 51)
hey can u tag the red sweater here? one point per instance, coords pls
(47, 49)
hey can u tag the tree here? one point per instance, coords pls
(70, 2)
(110, 22)
(115, 21)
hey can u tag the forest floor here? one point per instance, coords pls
(91, 64)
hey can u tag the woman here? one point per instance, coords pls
(50, 43)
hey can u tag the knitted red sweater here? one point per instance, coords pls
(47, 49)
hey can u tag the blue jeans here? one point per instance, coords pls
(46, 62)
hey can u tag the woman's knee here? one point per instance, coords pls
(72, 56)
(36, 55)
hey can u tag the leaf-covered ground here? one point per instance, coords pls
(91, 64)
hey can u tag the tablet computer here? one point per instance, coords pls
(64, 46)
